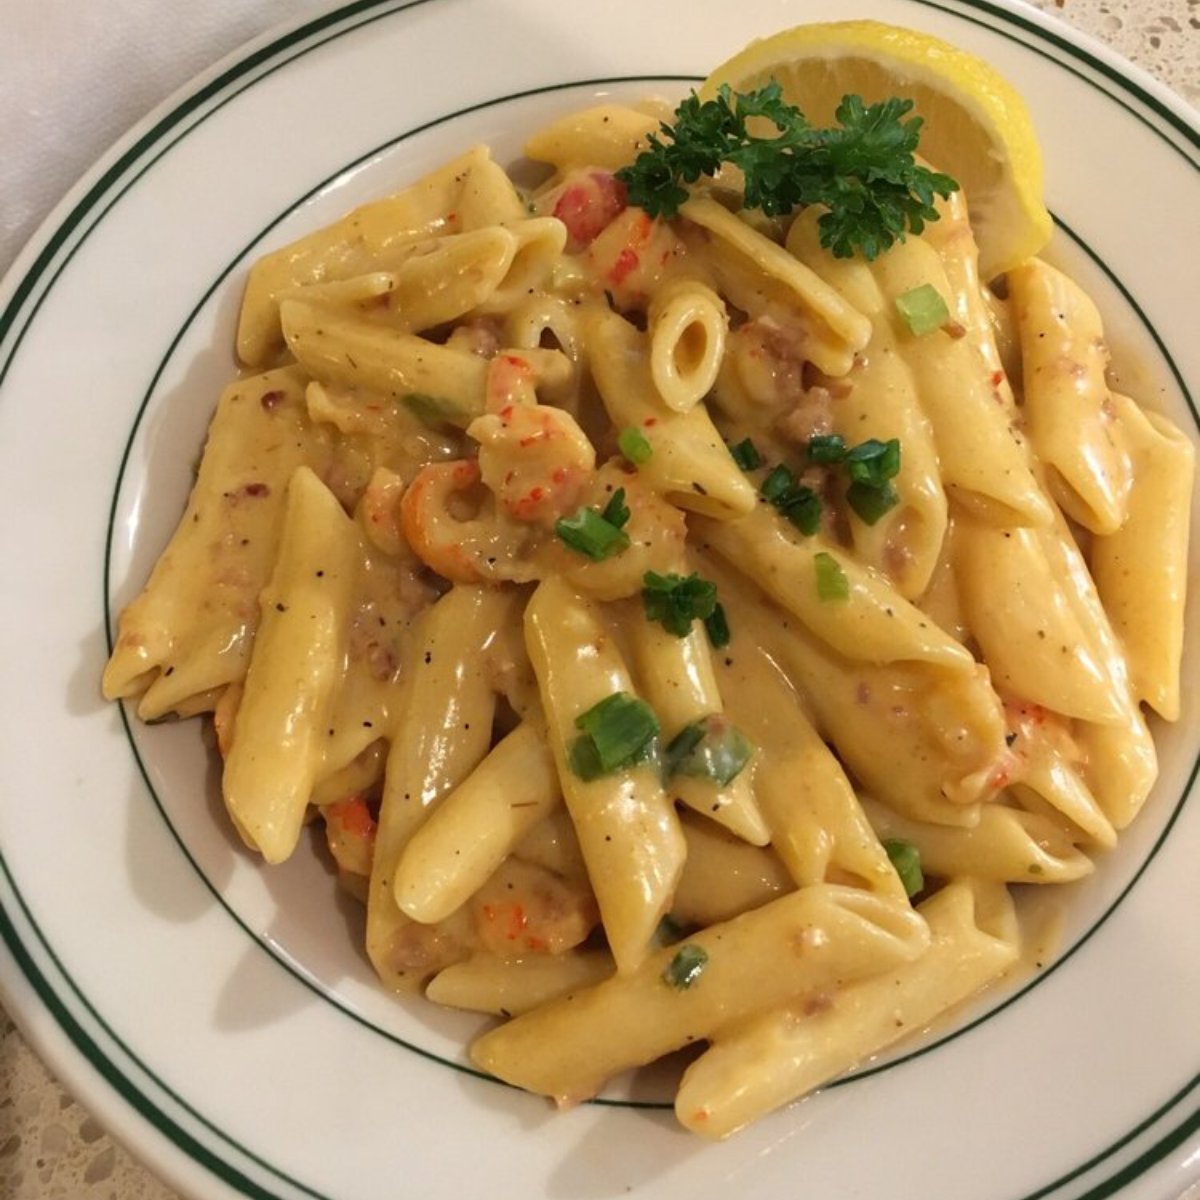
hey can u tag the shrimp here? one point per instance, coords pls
(535, 459)
(379, 511)
(1034, 733)
(482, 548)
(525, 909)
(656, 532)
(586, 204)
(630, 257)
(515, 375)
(350, 832)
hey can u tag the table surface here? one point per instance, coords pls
(50, 1148)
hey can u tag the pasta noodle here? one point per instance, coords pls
(675, 644)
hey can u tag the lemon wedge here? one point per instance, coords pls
(977, 127)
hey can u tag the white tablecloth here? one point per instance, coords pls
(76, 74)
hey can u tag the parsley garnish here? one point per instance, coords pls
(862, 169)
(675, 601)
(598, 535)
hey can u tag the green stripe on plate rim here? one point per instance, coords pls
(274, 55)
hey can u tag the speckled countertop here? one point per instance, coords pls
(50, 1148)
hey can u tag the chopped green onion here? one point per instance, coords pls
(907, 860)
(874, 462)
(585, 762)
(633, 444)
(598, 535)
(713, 748)
(871, 466)
(802, 507)
(832, 583)
(590, 534)
(796, 501)
(616, 511)
(670, 929)
(675, 601)
(871, 502)
(682, 745)
(716, 625)
(827, 448)
(433, 411)
(778, 483)
(746, 455)
(686, 967)
(923, 309)
(616, 732)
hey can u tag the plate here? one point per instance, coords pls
(219, 1018)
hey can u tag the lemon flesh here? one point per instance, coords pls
(977, 128)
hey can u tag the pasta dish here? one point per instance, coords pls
(685, 629)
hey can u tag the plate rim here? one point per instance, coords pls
(44, 1026)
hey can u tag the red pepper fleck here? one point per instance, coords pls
(625, 265)
(256, 489)
(271, 400)
(997, 378)
(516, 921)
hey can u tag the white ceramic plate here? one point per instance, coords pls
(220, 1018)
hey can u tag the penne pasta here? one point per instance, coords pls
(800, 942)
(1071, 425)
(1141, 568)
(476, 827)
(627, 827)
(284, 718)
(190, 631)
(687, 617)
(777, 1058)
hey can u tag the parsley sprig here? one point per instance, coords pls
(861, 169)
